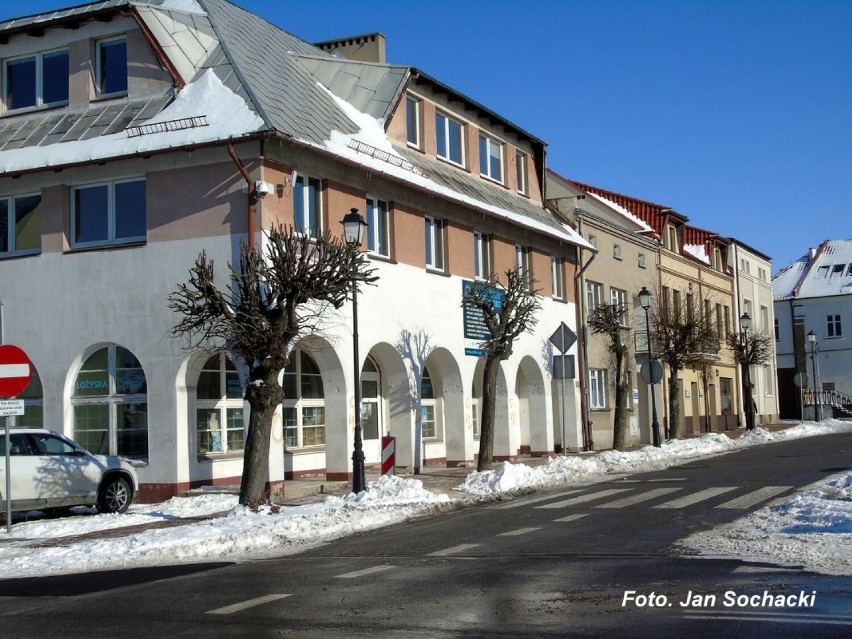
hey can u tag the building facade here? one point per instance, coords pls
(137, 135)
(813, 301)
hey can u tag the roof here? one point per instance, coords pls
(821, 272)
(237, 76)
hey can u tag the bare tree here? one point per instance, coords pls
(755, 351)
(508, 312)
(684, 336)
(608, 319)
(276, 296)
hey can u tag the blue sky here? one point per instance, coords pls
(737, 114)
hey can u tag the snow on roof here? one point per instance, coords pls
(227, 116)
(371, 132)
(622, 211)
(698, 251)
(828, 272)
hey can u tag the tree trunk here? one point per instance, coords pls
(619, 436)
(486, 426)
(263, 394)
(674, 405)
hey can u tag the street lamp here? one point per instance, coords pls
(645, 302)
(814, 350)
(745, 324)
(353, 233)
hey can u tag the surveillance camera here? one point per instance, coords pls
(262, 189)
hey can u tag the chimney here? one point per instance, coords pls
(811, 254)
(362, 48)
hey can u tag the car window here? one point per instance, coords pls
(19, 444)
(51, 445)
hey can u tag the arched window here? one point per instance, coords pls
(219, 415)
(430, 408)
(110, 404)
(303, 408)
(33, 404)
(371, 386)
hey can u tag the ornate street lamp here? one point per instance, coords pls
(745, 324)
(353, 233)
(645, 303)
(814, 350)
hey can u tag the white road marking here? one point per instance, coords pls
(453, 550)
(777, 617)
(519, 531)
(573, 517)
(758, 570)
(517, 503)
(694, 498)
(584, 498)
(366, 571)
(250, 603)
(755, 497)
(636, 499)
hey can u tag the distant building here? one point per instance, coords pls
(813, 301)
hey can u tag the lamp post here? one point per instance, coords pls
(745, 324)
(814, 350)
(353, 233)
(645, 303)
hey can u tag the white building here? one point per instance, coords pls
(813, 306)
(135, 135)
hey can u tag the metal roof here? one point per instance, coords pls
(821, 272)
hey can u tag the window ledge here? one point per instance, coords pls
(105, 247)
(434, 271)
(380, 258)
(219, 457)
(304, 450)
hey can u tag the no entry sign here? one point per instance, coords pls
(15, 371)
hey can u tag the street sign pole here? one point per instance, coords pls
(15, 375)
(563, 338)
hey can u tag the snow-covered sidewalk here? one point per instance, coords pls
(813, 529)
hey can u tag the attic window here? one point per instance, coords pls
(36, 80)
(823, 271)
(112, 67)
(837, 270)
(849, 272)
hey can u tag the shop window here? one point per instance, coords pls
(430, 407)
(303, 407)
(110, 404)
(220, 413)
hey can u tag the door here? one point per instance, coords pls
(727, 401)
(371, 411)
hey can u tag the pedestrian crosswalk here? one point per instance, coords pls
(649, 496)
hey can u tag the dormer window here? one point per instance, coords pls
(412, 121)
(112, 67)
(490, 158)
(671, 238)
(36, 80)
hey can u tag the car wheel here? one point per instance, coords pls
(114, 496)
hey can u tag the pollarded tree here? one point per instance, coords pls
(754, 350)
(683, 336)
(608, 319)
(507, 311)
(277, 295)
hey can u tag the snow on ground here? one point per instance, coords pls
(812, 529)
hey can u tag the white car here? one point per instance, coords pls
(50, 471)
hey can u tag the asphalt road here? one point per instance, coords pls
(581, 561)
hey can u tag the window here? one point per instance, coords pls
(110, 213)
(616, 251)
(521, 168)
(594, 293)
(690, 307)
(20, 225)
(371, 400)
(490, 158)
(523, 265)
(434, 243)
(761, 274)
(36, 81)
(593, 240)
(378, 228)
(641, 260)
(112, 67)
(837, 269)
(219, 414)
(412, 121)
(777, 331)
(764, 319)
(557, 271)
(676, 305)
(450, 140)
(671, 238)
(597, 388)
(110, 404)
(747, 308)
(430, 408)
(717, 259)
(833, 326)
(307, 205)
(481, 256)
(720, 327)
(618, 298)
(303, 408)
(727, 317)
(474, 411)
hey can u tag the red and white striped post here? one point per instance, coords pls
(388, 455)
